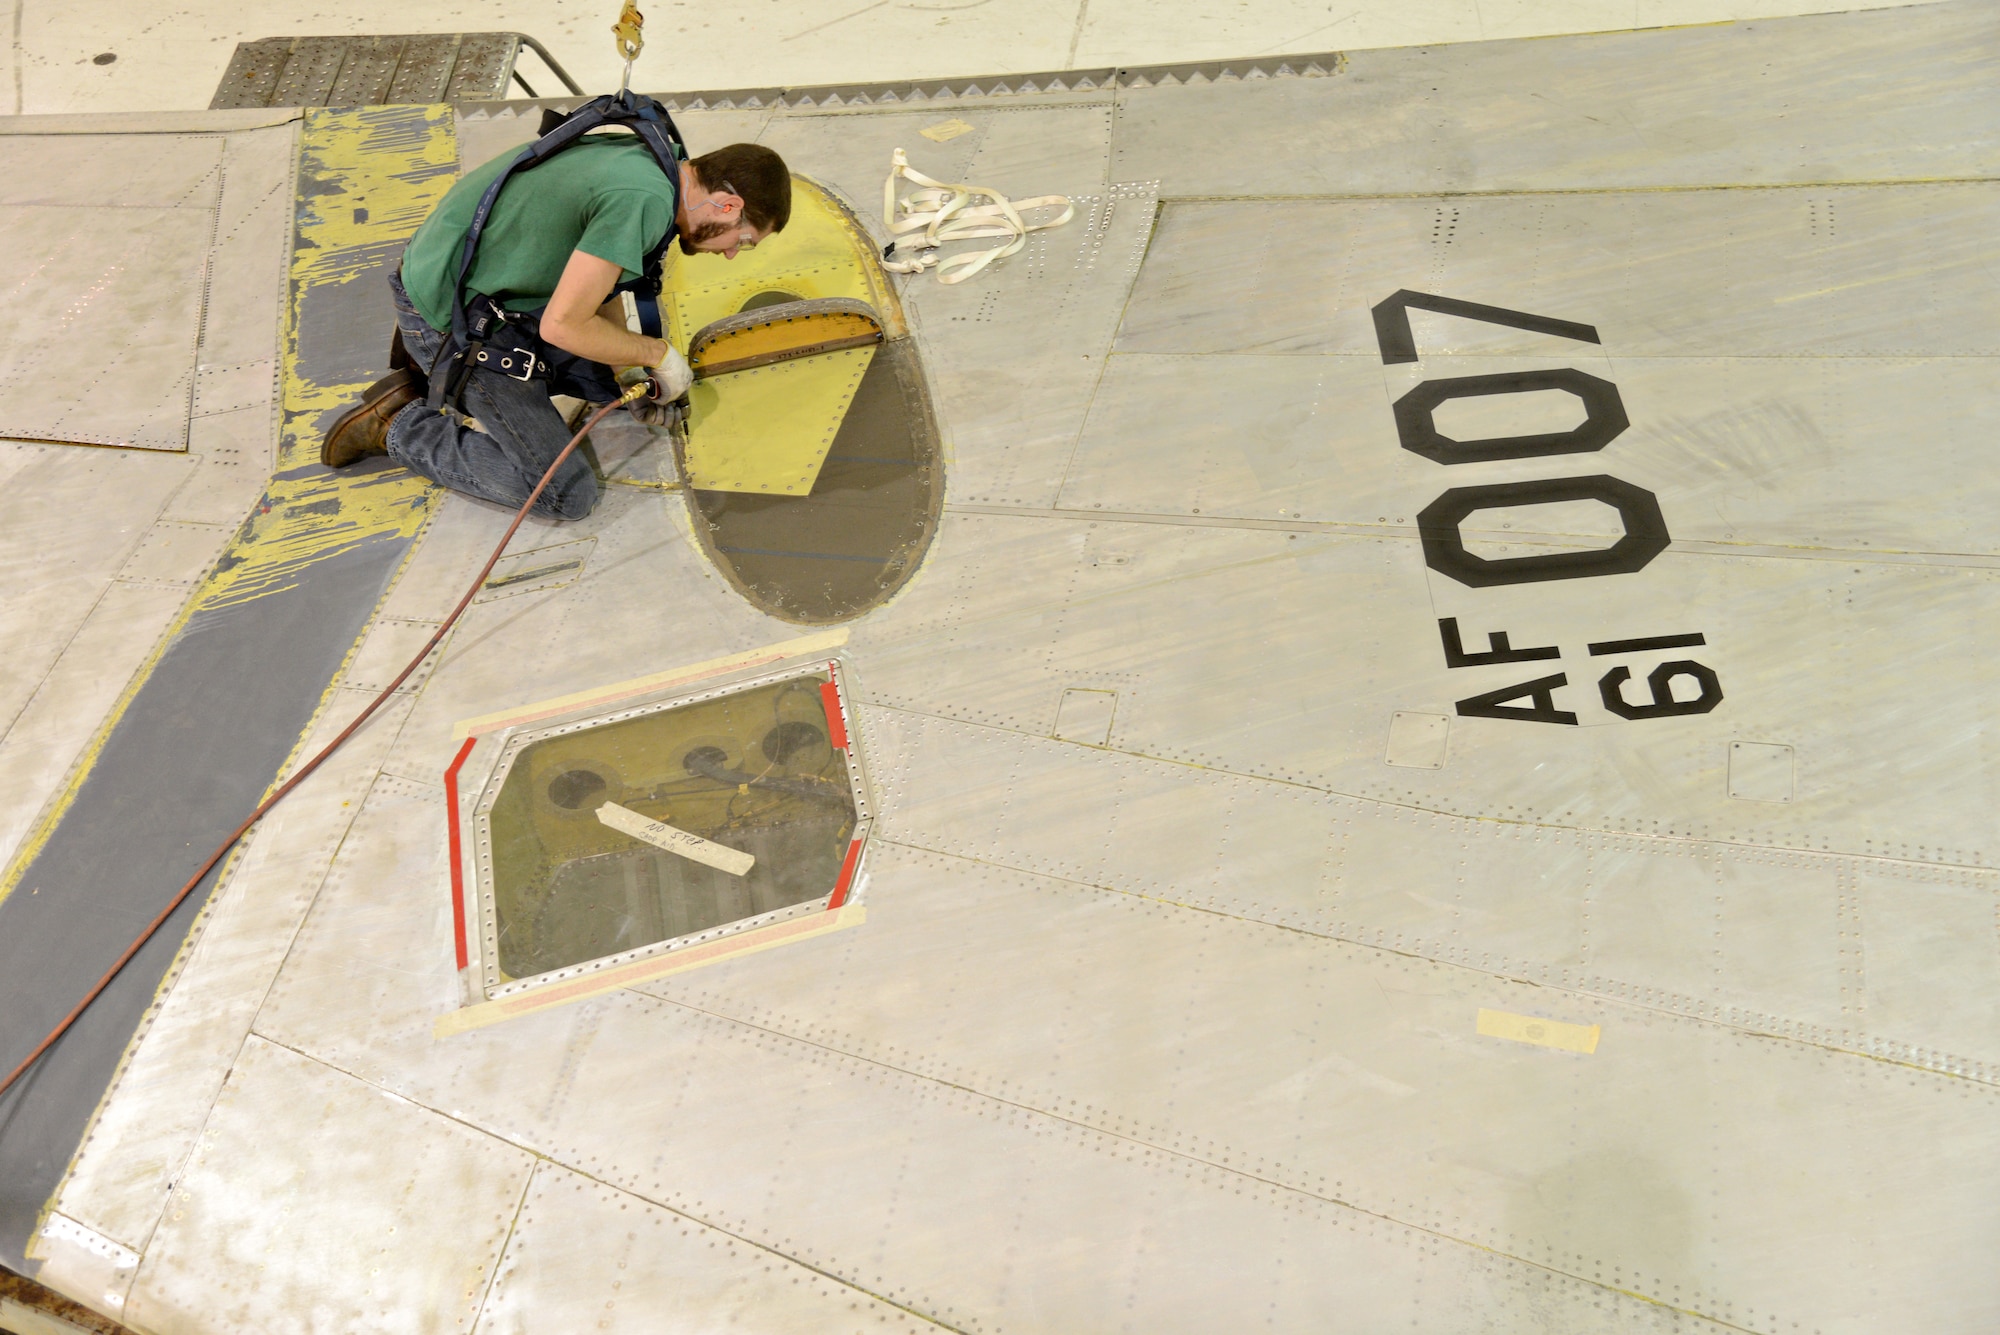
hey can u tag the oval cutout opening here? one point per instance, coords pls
(857, 536)
(768, 297)
(850, 543)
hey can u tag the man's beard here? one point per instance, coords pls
(707, 231)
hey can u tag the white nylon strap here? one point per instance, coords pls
(937, 213)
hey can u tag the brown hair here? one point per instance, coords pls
(757, 174)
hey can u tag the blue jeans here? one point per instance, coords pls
(524, 432)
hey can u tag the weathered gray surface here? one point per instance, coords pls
(1175, 1024)
(216, 717)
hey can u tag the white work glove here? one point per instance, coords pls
(670, 378)
(673, 375)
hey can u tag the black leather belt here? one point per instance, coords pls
(520, 363)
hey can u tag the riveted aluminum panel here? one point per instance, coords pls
(129, 283)
(1893, 94)
(1890, 270)
(112, 268)
(784, 1139)
(152, 1121)
(332, 1247)
(1010, 421)
(1351, 1072)
(1255, 686)
(1225, 1018)
(637, 1268)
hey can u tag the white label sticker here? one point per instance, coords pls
(662, 835)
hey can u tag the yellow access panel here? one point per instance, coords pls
(768, 429)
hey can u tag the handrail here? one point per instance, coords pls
(550, 61)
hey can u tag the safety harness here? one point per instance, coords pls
(486, 334)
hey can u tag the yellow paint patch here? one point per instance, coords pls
(640, 971)
(603, 695)
(367, 177)
(768, 429)
(1542, 1033)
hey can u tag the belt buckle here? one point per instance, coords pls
(528, 371)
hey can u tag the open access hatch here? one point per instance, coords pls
(635, 831)
(815, 484)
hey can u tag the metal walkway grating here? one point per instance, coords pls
(369, 71)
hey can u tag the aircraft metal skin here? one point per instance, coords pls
(1434, 773)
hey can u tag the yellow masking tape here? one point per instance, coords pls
(640, 971)
(945, 131)
(601, 695)
(1542, 1033)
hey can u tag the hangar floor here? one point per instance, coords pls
(170, 57)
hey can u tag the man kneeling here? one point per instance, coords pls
(559, 240)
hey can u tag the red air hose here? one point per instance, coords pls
(278, 794)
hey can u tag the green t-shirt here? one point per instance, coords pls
(605, 196)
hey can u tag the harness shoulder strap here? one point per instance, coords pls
(653, 127)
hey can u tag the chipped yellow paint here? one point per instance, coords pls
(367, 177)
(768, 430)
(945, 131)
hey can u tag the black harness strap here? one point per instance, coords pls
(477, 319)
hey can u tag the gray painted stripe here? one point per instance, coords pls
(195, 751)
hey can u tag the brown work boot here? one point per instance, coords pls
(364, 430)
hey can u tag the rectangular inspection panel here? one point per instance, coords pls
(602, 838)
(1418, 740)
(1085, 716)
(1760, 771)
(117, 296)
(105, 249)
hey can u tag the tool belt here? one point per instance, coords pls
(506, 343)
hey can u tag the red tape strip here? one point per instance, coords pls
(836, 722)
(457, 855)
(839, 896)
